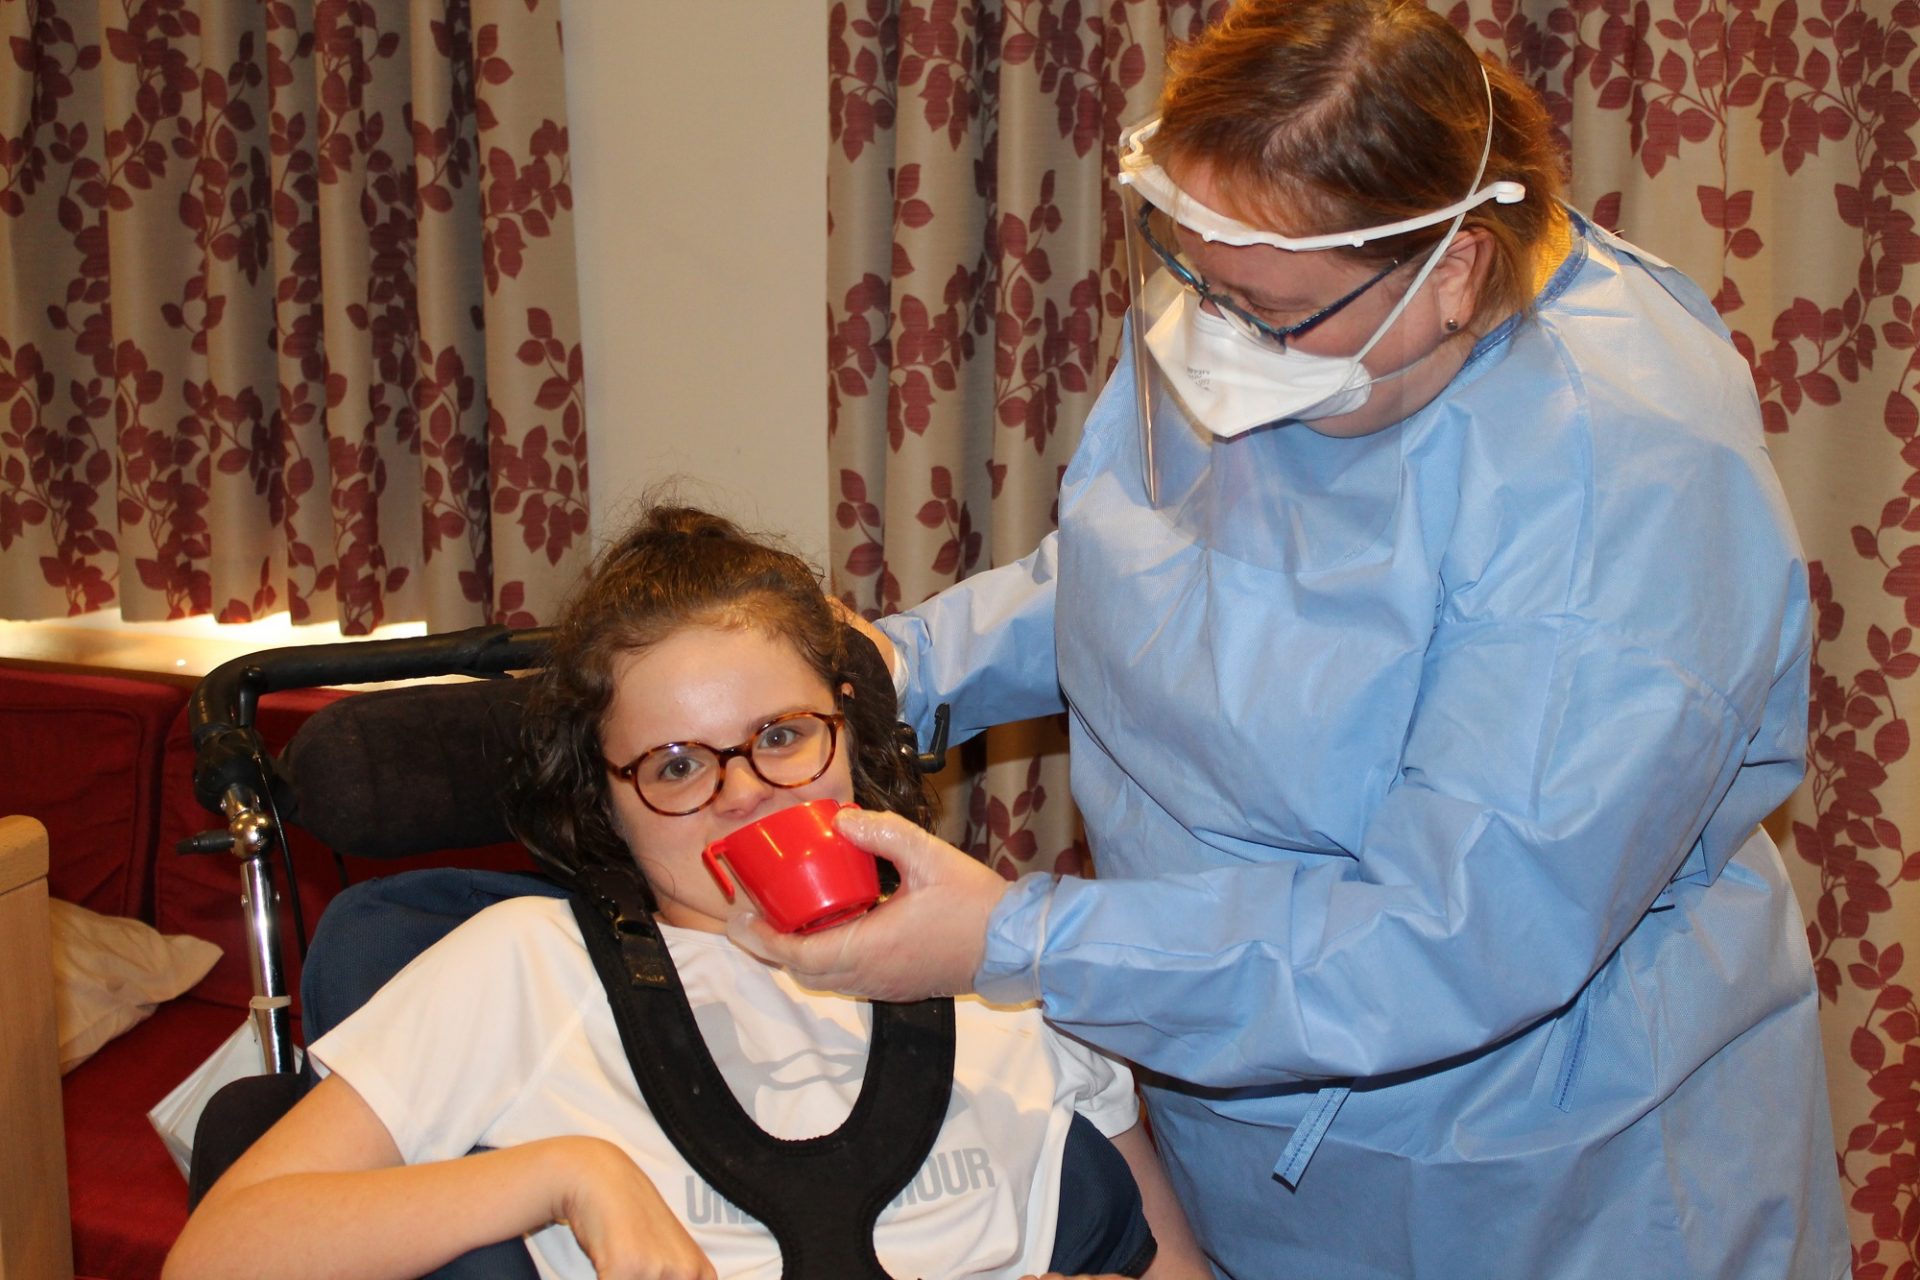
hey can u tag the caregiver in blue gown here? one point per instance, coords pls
(1434, 637)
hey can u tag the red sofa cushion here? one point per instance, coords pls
(128, 1198)
(82, 754)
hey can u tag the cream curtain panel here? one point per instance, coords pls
(976, 287)
(287, 312)
(1767, 147)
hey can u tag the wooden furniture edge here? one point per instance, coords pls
(36, 1234)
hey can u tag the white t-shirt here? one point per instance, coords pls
(502, 1034)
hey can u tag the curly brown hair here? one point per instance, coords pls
(678, 567)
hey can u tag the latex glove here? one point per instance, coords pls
(925, 940)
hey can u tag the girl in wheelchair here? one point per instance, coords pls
(503, 1040)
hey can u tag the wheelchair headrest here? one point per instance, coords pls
(398, 772)
(404, 771)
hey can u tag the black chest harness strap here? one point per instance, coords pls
(820, 1197)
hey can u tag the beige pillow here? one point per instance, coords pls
(110, 972)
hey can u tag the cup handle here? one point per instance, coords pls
(713, 869)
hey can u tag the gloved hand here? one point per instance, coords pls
(925, 940)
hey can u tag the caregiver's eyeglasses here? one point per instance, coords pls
(678, 778)
(1233, 313)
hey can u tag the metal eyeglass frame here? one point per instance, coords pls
(630, 771)
(1233, 310)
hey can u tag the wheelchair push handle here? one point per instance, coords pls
(220, 714)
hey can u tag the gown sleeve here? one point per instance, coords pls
(994, 663)
(1612, 697)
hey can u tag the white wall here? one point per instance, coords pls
(699, 140)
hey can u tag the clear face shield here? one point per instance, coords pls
(1209, 371)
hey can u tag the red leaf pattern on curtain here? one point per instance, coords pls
(272, 270)
(975, 296)
(1767, 147)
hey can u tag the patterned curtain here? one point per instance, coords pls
(1766, 147)
(976, 286)
(287, 311)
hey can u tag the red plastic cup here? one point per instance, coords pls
(801, 874)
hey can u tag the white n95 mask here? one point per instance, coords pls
(1229, 383)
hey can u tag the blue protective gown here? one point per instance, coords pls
(1431, 894)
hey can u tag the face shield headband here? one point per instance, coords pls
(1140, 171)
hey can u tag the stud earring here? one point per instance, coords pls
(1453, 326)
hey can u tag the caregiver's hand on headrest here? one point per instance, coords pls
(925, 940)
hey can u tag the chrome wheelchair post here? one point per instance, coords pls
(251, 831)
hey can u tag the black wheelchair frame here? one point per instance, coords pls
(235, 778)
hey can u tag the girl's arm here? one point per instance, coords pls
(324, 1194)
(1179, 1257)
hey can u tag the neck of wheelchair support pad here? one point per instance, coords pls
(625, 906)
